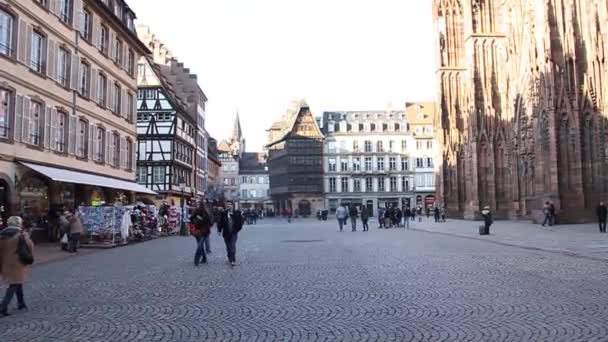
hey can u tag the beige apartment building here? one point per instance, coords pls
(67, 105)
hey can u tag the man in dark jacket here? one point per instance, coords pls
(231, 223)
(202, 222)
(602, 214)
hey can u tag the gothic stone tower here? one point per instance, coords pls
(523, 106)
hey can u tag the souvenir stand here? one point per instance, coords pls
(144, 223)
(104, 226)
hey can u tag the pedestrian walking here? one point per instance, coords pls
(14, 241)
(388, 218)
(398, 216)
(428, 212)
(436, 214)
(341, 215)
(602, 214)
(547, 214)
(201, 223)
(75, 231)
(419, 213)
(380, 218)
(444, 213)
(64, 229)
(407, 213)
(552, 213)
(413, 214)
(289, 214)
(364, 218)
(352, 213)
(229, 226)
(487, 219)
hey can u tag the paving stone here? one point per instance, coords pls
(382, 285)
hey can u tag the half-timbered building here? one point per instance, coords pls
(295, 161)
(165, 134)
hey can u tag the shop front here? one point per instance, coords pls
(43, 192)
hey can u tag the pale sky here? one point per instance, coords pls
(256, 56)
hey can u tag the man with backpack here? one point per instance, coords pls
(16, 255)
(200, 228)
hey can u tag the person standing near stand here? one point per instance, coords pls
(229, 226)
(12, 269)
(75, 231)
(602, 214)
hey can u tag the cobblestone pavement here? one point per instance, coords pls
(307, 281)
(582, 240)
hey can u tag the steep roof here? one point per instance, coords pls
(289, 120)
(223, 146)
(237, 133)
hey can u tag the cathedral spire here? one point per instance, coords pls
(237, 133)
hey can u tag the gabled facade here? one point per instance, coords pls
(230, 153)
(295, 161)
(180, 88)
(165, 133)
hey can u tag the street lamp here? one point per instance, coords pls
(182, 186)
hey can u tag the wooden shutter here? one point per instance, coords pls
(25, 127)
(22, 41)
(123, 153)
(92, 146)
(123, 103)
(77, 11)
(109, 149)
(96, 32)
(72, 135)
(111, 36)
(54, 7)
(75, 71)
(18, 118)
(28, 44)
(50, 132)
(94, 79)
(52, 60)
(110, 94)
(125, 54)
(133, 156)
(134, 111)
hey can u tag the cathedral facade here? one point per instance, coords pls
(523, 105)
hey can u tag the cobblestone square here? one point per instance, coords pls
(307, 281)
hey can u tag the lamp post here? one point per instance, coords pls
(182, 186)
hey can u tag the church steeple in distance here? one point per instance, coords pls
(237, 133)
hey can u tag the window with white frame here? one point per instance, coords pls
(429, 145)
(117, 98)
(420, 181)
(142, 174)
(356, 164)
(419, 145)
(419, 162)
(38, 52)
(87, 25)
(381, 186)
(343, 165)
(368, 146)
(5, 112)
(158, 175)
(7, 27)
(403, 145)
(379, 146)
(131, 63)
(429, 162)
(85, 79)
(118, 52)
(331, 164)
(368, 163)
(393, 184)
(104, 39)
(355, 146)
(63, 66)
(405, 164)
(60, 132)
(392, 164)
(356, 185)
(369, 184)
(100, 134)
(81, 139)
(65, 10)
(380, 163)
(344, 184)
(391, 145)
(102, 89)
(36, 121)
(405, 183)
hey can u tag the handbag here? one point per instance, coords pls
(64, 239)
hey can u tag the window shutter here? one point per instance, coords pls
(53, 55)
(78, 20)
(18, 118)
(72, 129)
(123, 104)
(134, 157)
(75, 71)
(25, 127)
(92, 145)
(108, 144)
(110, 95)
(28, 44)
(22, 41)
(125, 54)
(123, 153)
(96, 32)
(94, 79)
(111, 44)
(134, 111)
(51, 141)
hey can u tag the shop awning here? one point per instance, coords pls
(62, 175)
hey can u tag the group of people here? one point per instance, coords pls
(353, 213)
(387, 217)
(229, 223)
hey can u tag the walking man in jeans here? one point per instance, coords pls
(602, 214)
(202, 222)
(229, 226)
